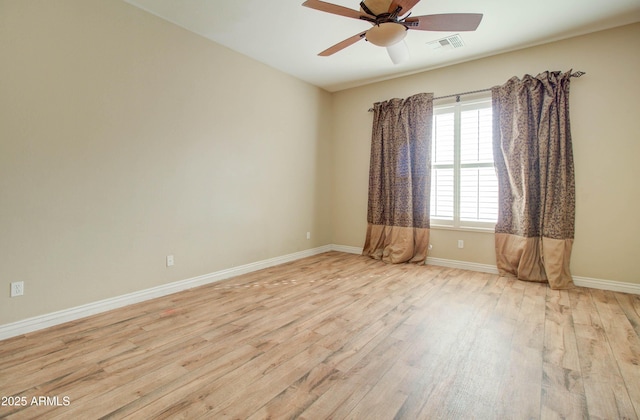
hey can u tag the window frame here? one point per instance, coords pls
(456, 223)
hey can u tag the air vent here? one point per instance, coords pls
(448, 43)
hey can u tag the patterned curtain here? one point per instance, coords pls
(534, 162)
(399, 180)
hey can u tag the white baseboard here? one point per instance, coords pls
(614, 286)
(347, 249)
(463, 265)
(55, 318)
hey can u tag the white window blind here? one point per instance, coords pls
(464, 187)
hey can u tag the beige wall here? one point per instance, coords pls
(124, 138)
(605, 119)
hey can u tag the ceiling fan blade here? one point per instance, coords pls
(444, 22)
(405, 5)
(342, 44)
(335, 9)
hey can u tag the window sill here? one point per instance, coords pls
(464, 228)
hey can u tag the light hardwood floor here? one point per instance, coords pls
(340, 336)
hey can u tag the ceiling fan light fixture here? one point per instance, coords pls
(399, 53)
(386, 34)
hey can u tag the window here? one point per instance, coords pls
(464, 187)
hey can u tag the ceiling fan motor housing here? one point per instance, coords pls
(378, 7)
(386, 34)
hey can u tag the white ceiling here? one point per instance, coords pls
(288, 37)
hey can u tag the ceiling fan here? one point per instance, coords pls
(391, 20)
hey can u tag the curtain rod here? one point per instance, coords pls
(458, 95)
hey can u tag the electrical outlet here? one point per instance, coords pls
(17, 288)
(308, 235)
(169, 260)
(460, 243)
